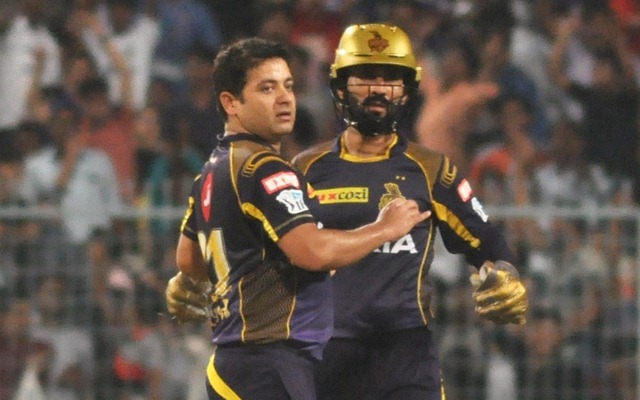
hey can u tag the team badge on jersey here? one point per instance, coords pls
(293, 199)
(393, 192)
(279, 181)
(205, 196)
(464, 190)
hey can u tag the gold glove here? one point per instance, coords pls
(499, 294)
(188, 300)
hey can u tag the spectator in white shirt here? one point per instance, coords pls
(80, 179)
(134, 35)
(25, 35)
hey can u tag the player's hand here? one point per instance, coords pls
(400, 216)
(499, 294)
(188, 300)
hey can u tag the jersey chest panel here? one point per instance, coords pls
(350, 194)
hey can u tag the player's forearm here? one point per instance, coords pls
(327, 249)
(189, 259)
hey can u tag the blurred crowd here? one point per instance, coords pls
(106, 104)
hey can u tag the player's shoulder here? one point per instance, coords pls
(305, 158)
(429, 159)
(247, 157)
(421, 152)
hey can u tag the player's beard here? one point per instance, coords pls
(368, 123)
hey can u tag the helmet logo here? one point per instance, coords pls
(378, 43)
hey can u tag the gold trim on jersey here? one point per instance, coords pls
(267, 299)
(287, 222)
(233, 170)
(251, 165)
(218, 384)
(214, 252)
(424, 314)
(454, 223)
(253, 211)
(305, 167)
(353, 158)
(293, 308)
(187, 214)
(449, 172)
(240, 310)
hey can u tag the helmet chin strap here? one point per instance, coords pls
(355, 114)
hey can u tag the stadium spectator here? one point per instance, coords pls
(549, 373)
(507, 154)
(531, 43)
(139, 355)
(134, 35)
(184, 24)
(456, 101)
(24, 39)
(496, 66)
(110, 129)
(609, 100)
(70, 376)
(192, 116)
(24, 359)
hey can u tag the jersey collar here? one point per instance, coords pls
(397, 146)
(226, 140)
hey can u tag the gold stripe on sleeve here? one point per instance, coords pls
(250, 209)
(454, 222)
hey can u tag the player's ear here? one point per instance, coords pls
(228, 102)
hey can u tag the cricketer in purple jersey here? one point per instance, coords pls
(260, 296)
(393, 291)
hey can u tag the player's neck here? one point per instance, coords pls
(366, 146)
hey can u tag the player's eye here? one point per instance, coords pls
(267, 88)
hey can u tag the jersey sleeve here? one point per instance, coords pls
(464, 225)
(189, 223)
(272, 191)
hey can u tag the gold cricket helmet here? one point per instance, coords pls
(379, 44)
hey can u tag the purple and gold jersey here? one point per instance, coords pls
(246, 198)
(389, 289)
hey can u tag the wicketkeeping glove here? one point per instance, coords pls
(499, 294)
(188, 300)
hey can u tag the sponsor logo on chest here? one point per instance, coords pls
(403, 245)
(343, 195)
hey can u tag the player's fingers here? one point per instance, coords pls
(188, 297)
(424, 215)
(397, 202)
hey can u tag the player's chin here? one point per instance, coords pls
(283, 128)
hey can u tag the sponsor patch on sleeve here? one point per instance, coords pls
(293, 199)
(279, 181)
(464, 190)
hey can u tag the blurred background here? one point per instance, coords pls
(106, 116)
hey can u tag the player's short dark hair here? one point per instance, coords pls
(235, 60)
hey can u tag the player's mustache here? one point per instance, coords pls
(376, 100)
